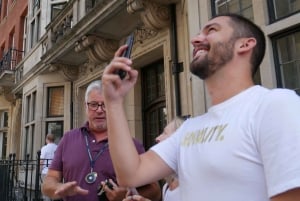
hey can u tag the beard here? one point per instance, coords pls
(220, 54)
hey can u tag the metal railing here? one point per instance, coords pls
(10, 60)
(20, 180)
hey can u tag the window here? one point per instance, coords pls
(55, 102)
(24, 24)
(54, 121)
(287, 59)
(154, 103)
(56, 128)
(279, 9)
(30, 108)
(242, 7)
(56, 7)
(3, 133)
(35, 22)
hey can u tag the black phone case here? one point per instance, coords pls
(127, 54)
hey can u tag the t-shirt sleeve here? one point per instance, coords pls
(278, 140)
(169, 149)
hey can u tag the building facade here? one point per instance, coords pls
(67, 44)
(13, 16)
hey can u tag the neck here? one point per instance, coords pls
(100, 136)
(228, 82)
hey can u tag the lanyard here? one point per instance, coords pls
(92, 161)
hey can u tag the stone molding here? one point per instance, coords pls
(154, 15)
(7, 93)
(98, 49)
(68, 72)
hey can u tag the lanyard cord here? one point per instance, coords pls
(92, 161)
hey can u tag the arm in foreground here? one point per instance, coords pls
(151, 191)
(53, 188)
(291, 195)
(131, 168)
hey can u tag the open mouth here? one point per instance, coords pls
(200, 50)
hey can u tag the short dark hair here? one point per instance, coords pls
(246, 28)
(50, 137)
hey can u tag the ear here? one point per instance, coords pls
(246, 44)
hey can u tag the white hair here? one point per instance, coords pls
(92, 86)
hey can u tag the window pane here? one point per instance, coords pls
(55, 101)
(155, 121)
(243, 7)
(27, 108)
(288, 51)
(33, 105)
(154, 102)
(5, 119)
(55, 128)
(154, 82)
(4, 144)
(56, 8)
(28, 142)
(285, 8)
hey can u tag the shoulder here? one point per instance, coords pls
(72, 133)
(283, 94)
(281, 99)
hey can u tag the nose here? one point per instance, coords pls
(100, 109)
(197, 39)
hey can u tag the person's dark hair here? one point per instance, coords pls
(245, 28)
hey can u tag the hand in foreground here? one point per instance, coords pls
(114, 194)
(135, 198)
(115, 88)
(70, 189)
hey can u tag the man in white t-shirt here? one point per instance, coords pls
(47, 154)
(245, 148)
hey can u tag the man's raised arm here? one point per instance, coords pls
(131, 168)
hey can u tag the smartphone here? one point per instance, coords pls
(129, 42)
(127, 54)
(101, 193)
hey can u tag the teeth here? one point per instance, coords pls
(199, 52)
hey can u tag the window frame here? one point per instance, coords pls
(274, 40)
(34, 21)
(48, 115)
(29, 124)
(214, 8)
(272, 15)
(3, 132)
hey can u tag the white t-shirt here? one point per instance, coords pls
(47, 152)
(170, 195)
(246, 148)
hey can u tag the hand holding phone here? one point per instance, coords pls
(127, 54)
(132, 191)
(101, 191)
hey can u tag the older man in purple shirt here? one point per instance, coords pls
(82, 160)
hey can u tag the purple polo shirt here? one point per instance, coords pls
(71, 158)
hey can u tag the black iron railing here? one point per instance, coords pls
(20, 180)
(10, 60)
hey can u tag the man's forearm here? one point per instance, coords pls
(125, 162)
